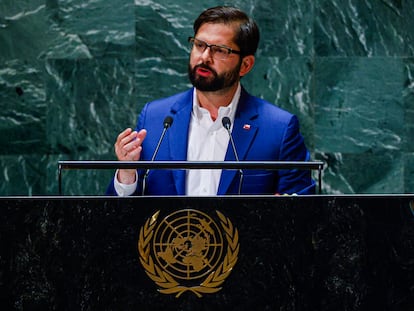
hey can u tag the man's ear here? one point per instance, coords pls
(246, 65)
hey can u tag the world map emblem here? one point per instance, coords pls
(188, 251)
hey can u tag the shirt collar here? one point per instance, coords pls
(227, 111)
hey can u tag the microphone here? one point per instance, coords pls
(227, 125)
(167, 124)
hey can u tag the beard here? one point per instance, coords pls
(216, 82)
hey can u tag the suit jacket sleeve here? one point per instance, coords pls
(293, 149)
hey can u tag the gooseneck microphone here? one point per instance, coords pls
(167, 124)
(227, 125)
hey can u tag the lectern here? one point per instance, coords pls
(214, 253)
(320, 252)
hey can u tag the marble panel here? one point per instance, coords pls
(89, 103)
(24, 31)
(368, 172)
(408, 16)
(162, 28)
(363, 28)
(359, 104)
(408, 100)
(286, 27)
(158, 77)
(78, 182)
(23, 174)
(22, 106)
(92, 28)
(167, 23)
(409, 173)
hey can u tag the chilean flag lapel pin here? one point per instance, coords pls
(246, 127)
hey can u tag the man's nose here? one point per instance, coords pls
(207, 54)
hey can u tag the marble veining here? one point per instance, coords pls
(74, 73)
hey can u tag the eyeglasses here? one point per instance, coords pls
(220, 52)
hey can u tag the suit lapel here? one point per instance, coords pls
(244, 131)
(178, 136)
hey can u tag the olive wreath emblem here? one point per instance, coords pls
(166, 282)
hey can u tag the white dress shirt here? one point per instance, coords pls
(207, 141)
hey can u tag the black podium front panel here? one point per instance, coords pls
(215, 253)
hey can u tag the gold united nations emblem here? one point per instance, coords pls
(188, 251)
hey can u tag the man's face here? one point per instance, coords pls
(208, 73)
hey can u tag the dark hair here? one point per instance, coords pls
(248, 35)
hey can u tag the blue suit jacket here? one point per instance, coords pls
(261, 132)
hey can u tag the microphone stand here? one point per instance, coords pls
(227, 125)
(167, 123)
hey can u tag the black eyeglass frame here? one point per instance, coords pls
(193, 40)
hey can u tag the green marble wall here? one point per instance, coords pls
(75, 73)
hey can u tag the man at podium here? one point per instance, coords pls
(216, 120)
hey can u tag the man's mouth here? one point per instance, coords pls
(204, 72)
